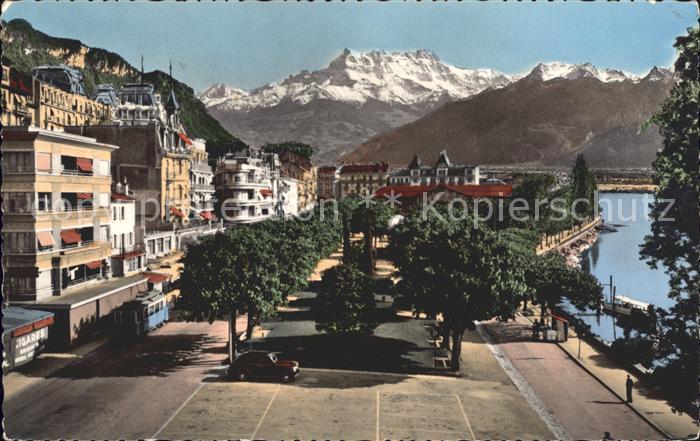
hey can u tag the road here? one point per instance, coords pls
(117, 393)
(172, 385)
(584, 407)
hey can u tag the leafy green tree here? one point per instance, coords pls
(346, 208)
(466, 274)
(583, 186)
(674, 242)
(345, 302)
(301, 149)
(231, 273)
(372, 219)
(531, 189)
(550, 279)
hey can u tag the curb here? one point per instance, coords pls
(623, 399)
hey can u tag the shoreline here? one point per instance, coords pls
(627, 188)
(572, 252)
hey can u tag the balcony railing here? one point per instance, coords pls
(83, 280)
(203, 187)
(68, 172)
(82, 243)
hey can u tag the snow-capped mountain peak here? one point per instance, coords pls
(405, 78)
(553, 70)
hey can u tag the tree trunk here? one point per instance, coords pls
(446, 337)
(456, 348)
(346, 239)
(369, 250)
(250, 324)
(232, 336)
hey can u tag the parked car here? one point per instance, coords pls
(260, 364)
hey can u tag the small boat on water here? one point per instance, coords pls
(626, 306)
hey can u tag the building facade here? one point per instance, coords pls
(244, 186)
(362, 179)
(155, 154)
(60, 100)
(56, 201)
(305, 173)
(128, 251)
(201, 181)
(443, 172)
(17, 98)
(51, 98)
(328, 178)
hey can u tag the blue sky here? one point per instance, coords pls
(251, 43)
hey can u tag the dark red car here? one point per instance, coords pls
(260, 364)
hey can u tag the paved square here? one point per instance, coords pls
(326, 404)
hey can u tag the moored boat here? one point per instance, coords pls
(626, 305)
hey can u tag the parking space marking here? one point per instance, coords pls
(267, 409)
(378, 416)
(471, 432)
(178, 410)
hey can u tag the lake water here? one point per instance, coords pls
(616, 253)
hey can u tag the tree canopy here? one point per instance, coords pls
(469, 274)
(253, 268)
(674, 242)
(301, 149)
(345, 302)
(583, 187)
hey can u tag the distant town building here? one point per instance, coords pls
(301, 169)
(411, 196)
(328, 177)
(286, 194)
(244, 186)
(443, 172)
(201, 181)
(56, 200)
(362, 179)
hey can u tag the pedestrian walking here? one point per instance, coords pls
(607, 436)
(629, 384)
(536, 330)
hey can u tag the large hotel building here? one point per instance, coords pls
(56, 193)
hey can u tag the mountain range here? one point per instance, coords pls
(538, 123)
(24, 48)
(360, 99)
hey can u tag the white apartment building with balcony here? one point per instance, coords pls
(244, 186)
(201, 181)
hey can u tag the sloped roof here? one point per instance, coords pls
(365, 168)
(471, 191)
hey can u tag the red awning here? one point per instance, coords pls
(45, 238)
(266, 192)
(128, 255)
(207, 215)
(84, 164)
(176, 211)
(84, 196)
(70, 236)
(184, 138)
(155, 277)
(94, 264)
